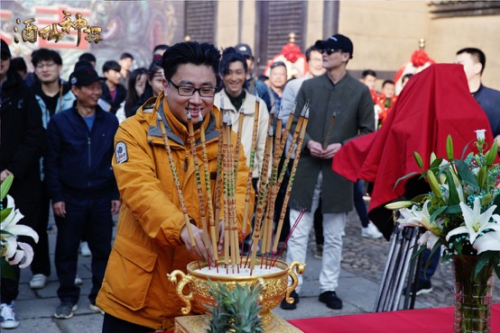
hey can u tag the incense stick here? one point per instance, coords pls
(329, 131)
(178, 185)
(199, 187)
(288, 193)
(211, 221)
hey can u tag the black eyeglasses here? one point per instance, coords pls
(189, 90)
(329, 51)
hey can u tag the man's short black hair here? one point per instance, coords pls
(229, 56)
(406, 76)
(277, 64)
(18, 64)
(476, 54)
(87, 57)
(45, 55)
(191, 53)
(387, 82)
(126, 55)
(111, 65)
(368, 72)
(309, 50)
(160, 47)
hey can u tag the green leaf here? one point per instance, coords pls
(459, 246)
(453, 198)
(437, 213)
(419, 198)
(420, 250)
(435, 164)
(492, 153)
(5, 187)
(483, 260)
(466, 175)
(464, 151)
(411, 174)
(4, 213)
(455, 209)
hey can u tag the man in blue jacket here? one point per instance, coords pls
(81, 185)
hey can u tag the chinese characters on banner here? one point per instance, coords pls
(31, 32)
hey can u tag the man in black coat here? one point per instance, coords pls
(21, 146)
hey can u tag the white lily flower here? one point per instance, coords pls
(490, 241)
(415, 217)
(480, 134)
(24, 256)
(13, 230)
(475, 222)
(428, 239)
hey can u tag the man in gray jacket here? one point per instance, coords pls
(340, 108)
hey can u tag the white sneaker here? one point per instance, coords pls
(38, 281)
(370, 232)
(78, 281)
(95, 308)
(84, 249)
(8, 316)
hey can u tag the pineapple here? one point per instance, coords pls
(236, 310)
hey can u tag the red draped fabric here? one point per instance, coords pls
(434, 104)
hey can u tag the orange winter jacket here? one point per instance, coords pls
(148, 245)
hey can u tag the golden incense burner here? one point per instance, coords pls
(275, 287)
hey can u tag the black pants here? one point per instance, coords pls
(41, 259)
(115, 325)
(91, 217)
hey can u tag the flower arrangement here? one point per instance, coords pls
(13, 252)
(461, 213)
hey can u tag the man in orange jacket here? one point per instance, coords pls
(152, 238)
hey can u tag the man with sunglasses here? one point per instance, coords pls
(152, 238)
(340, 108)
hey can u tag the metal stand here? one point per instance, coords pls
(402, 249)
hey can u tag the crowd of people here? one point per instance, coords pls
(94, 146)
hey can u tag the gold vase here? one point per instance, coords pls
(276, 287)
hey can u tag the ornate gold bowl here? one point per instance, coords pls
(275, 286)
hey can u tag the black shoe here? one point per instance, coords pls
(423, 288)
(287, 306)
(331, 300)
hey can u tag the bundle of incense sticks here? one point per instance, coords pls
(270, 182)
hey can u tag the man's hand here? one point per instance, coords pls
(331, 150)
(4, 174)
(59, 208)
(199, 250)
(315, 148)
(115, 207)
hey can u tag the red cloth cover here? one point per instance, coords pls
(434, 104)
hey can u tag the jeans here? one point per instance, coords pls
(359, 204)
(426, 274)
(333, 225)
(84, 216)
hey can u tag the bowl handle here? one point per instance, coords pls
(180, 279)
(299, 268)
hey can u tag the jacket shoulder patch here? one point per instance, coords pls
(121, 152)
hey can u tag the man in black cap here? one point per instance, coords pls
(340, 108)
(22, 144)
(252, 84)
(81, 185)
